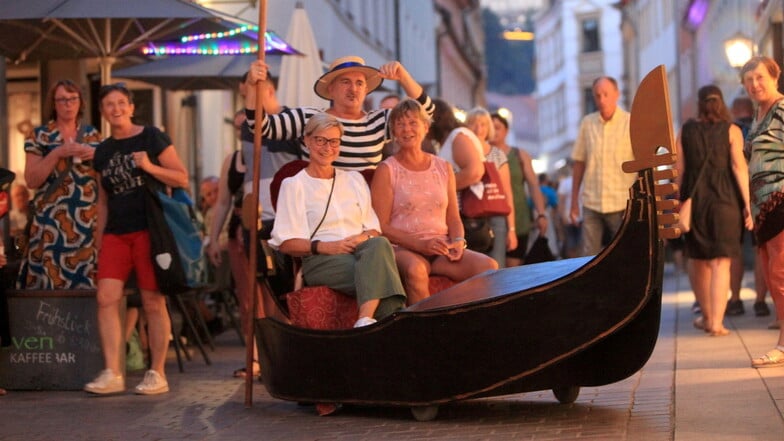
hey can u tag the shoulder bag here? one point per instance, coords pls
(175, 238)
(493, 201)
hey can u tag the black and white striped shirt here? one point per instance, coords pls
(362, 140)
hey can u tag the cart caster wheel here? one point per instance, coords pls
(424, 413)
(566, 394)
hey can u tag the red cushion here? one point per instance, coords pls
(319, 307)
(439, 283)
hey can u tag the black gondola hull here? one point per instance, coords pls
(569, 323)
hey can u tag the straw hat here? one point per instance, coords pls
(343, 65)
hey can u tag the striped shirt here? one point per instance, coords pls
(362, 140)
(603, 146)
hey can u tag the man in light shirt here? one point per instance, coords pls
(603, 143)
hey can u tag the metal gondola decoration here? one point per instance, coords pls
(559, 325)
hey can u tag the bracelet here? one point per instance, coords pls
(314, 247)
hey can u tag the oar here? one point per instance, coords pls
(252, 255)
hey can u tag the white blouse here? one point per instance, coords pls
(303, 199)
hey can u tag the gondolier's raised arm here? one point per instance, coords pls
(395, 71)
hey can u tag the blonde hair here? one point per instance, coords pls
(481, 113)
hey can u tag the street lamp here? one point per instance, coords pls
(738, 49)
(518, 34)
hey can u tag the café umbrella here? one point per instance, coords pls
(298, 74)
(103, 29)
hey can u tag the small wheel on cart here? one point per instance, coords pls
(566, 394)
(424, 413)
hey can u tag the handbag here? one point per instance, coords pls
(175, 238)
(493, 201)
(478, 234)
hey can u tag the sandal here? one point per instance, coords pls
(774, 357)
(242, 372)
(699, 323)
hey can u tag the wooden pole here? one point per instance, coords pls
(252, 254)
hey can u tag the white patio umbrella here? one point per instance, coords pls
(298, 74)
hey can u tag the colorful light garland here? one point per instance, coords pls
(209, 44)
(218, 35)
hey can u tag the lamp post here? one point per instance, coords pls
(738, 49)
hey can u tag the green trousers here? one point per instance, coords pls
(370, 273)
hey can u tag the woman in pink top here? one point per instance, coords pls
(414, 196)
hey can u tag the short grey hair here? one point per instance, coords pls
(322, 121)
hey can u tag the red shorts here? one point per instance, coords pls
(121, 253)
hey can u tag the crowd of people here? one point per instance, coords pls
(380, 236)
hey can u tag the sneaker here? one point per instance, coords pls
(695, 308)
(761, 309)
(107, 382)
(152, 384)
(364, 321)
(735, 307)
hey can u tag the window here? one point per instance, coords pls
(588, 103)
(590, 28)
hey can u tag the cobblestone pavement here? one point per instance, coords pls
(205, 403)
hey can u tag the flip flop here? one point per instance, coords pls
(774, 358)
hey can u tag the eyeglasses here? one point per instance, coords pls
(69, 100)
(322, 141)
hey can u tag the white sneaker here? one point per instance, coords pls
(152, 384)
(107, 382)
(364, 321)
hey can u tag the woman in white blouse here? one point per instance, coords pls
(325, 216)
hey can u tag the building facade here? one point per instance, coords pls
(576, 42)
(688, 37)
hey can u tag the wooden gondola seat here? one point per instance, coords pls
(320, 307)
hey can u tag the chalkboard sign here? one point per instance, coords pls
(54, 340)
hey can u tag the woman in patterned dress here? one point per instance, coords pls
(60, 252)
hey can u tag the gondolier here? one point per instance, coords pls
(346, 85)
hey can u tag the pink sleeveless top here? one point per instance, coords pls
(420, 198)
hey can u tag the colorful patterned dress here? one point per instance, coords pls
(61, 253)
